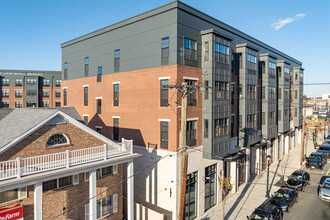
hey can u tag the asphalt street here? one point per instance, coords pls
(309, 205)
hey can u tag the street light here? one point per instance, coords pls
(267, 185)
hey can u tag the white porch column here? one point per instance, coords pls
(92, 195)
(257, 162)
(248, 163)
(233, 171)
(38, 201)
(130, 190)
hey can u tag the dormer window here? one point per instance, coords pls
(57, 139)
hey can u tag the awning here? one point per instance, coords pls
(261, 144)
(235, 156)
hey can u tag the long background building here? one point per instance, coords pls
(114, 77)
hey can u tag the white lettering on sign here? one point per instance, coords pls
(10, 216)
(20, 74)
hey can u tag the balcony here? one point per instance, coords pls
(32, 165)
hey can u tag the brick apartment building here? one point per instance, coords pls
(30, 88)
(114, 77)
(52, 165)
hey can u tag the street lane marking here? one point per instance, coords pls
(328, 172)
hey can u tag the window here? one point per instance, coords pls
(31, 92)
(221, 127)
(163, 93)
(232, 131)
(286, 115)
(279, 115)
(65, 96)
(58, 83)
(206, 91)
(210, 186)
(164, 135)
(190, 207)
(58, 183)
(99, 106)
(286, 70)
(165, 53)
(5, 93)
(86, 66)
(31, 104)
(221, 90)
(190, 47)
(57, 93)
(45, 82)
(286, 94)
(57, 104)
(251, 91)
(117, 60)
(263, 118)
(65, 70)
(31, 81)
(5, 104)
(105, 207)
(192, 94)
(272, 118)
(295, 94)
(279, 93)
(232, 93)
(115, 94)
(86, 96)
(98, 129)
(252, 121)
(18, 104)
(272, 93)
(45, 93)
(57, 139)
(45, 103)
(5, 82)
(14, 194)
(18, 82)
(240, 120)
(272, 68)
(116, 129)
(99, 74)
(206, 128)
(252, 60)
(206, 49)
(86, 119)
(191, 133)
(221, 53)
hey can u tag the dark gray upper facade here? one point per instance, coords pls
(139, 40)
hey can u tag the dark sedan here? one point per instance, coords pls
(284, 198)
(298, 179)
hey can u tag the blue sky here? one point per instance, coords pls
(32, 30)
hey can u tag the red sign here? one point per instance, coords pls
(12, 213)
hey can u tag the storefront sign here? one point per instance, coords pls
(20, 74)
(13, 213)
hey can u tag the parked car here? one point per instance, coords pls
(320, 183)
(324, 189)
(284, 198)
(324, 148)
(266, 211)
(328, 138)
(316, 159)
(298, 179)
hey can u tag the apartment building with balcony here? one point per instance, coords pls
(30, 88)
(115, 78)
(54, 166)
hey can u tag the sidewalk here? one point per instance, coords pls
(252, 194)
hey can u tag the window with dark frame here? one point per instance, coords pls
(58, 83)
(5, 93)
(221, 53)
(210, 186)
(206, 128)
(65, 96)
(206, 92)
(163, 93)
(31, 104)
(116, 94)
(45, 93)
(45, 82)
(221, 90)
(5, 104)
(98, 129)
(192, 95)
(18, 82)
(191, 133)
(65, 70)
(116, 129)
(190, 49)
(221, 126)
(190, 208)
(99, 74)
(206, 51)
(86, 119)
(164, 134)
(86, 96)
(31, 92)
(5, 82)
(57, 104)
(279, 115)
(165, 52)
(99, 106)
(18, 104)
(116, 60)
(45, 103)
(232, 133)
(105, 207)
(86, 66)
(57, 93)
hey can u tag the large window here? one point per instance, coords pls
(45, 103)
(5, 104)
(221, 90)
(58, 83)
(60, 183)
(163, 93)
(252, 121)
(65, 70)
(105, 206)
(115, 94)
(251, 60)
(272, 93)
(190, 49)
(65, 96)
(286, 115)
(221, 53)
(18, 82)
(192, 93)
(99, 74)
(57, 103)
(116, 129)
(251, 92)
(57, 93)
(86, 66)
(117, 60)
(221, 127)
(191, 133)
(57, 139)
(272, 68)
(31, 104)
(286, 94)
(13, 194)
(45, 93)
(5, 82)
(190, 206)
(210, 186)
(165, 53)
(31, 81)
(98, 106)
(45, 82)
(86, 96)
(164, 135)
(18, 104)
(272, 118)
(5, 93)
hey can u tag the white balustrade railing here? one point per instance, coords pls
(31, 165)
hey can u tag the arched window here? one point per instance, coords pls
(57, 139)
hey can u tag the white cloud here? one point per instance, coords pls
(282, 22)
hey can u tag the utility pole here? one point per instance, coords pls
(184, 154)
(302, 140)
(267, 185)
